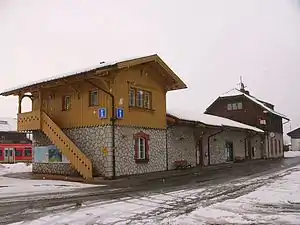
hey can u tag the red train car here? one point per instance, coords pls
(15, 147)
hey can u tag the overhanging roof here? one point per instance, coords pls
(236, 92)
(210, 120)
(118, 64)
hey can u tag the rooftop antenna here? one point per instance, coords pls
(242, 85)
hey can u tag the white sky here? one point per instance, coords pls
(209, 44)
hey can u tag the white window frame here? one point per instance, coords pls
(67, 104)
(240, 105)
(234, 106)
(141, 154)
(229, 106)
(94, 98)
(147, 99)
(140, 99)
(131, 97)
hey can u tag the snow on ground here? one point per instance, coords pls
(291, 154)
(276, 202)
(14, 187)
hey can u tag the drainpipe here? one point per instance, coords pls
(113, 123)
(208, 143)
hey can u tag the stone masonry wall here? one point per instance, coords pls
(90, 141)
(181, 145)
(218, 152)
(125, 151)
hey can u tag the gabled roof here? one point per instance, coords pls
(236, 92)
(294, 133)
(118, 64)
(209, 120)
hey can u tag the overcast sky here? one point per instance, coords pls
(209, 44)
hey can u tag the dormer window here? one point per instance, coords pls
(235, 106)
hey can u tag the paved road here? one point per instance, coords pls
(219, 179)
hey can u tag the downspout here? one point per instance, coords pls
(113, 120)
(208, 143)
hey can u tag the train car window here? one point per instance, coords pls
(18, 153)
(27, 151)
(1, 152)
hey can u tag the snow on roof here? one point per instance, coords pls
(73, 73)
(236, 92)
(8, 124)
(210, 119)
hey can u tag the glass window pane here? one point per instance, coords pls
(234, 106)
(240, 105)
(229, 106)
(131, 97)
(140, 98)
(147, 100)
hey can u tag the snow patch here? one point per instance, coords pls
(209, 119)
(290, 154)
(21, 187)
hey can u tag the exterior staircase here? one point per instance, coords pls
(78, 160)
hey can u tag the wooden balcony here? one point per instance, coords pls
(29, 121)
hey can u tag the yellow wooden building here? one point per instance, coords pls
(108, 120)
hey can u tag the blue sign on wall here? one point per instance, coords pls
(102, 113)
(120, 113)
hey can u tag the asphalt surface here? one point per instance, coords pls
(220, 180)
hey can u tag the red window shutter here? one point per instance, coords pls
(147, 148)
(136, 148)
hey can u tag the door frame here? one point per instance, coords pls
(230, 157)
(200, 150)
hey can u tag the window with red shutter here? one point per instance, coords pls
(141, 147)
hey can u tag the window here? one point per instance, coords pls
(18, 153)
(140, 98)
(131, 97)
(147, 97)
(1, 152)
(279, 146)
(141, 147)
(93, 98)
(234, 106)
(240, 105)
(28, 152)
(66, 103)
(275, 143)
(141, 154)
(229, 106)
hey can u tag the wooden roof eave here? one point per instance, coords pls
(179, 84)
(57, 82)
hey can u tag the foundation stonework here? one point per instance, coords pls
(54, 168)
(92, 140)
(125, 161)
